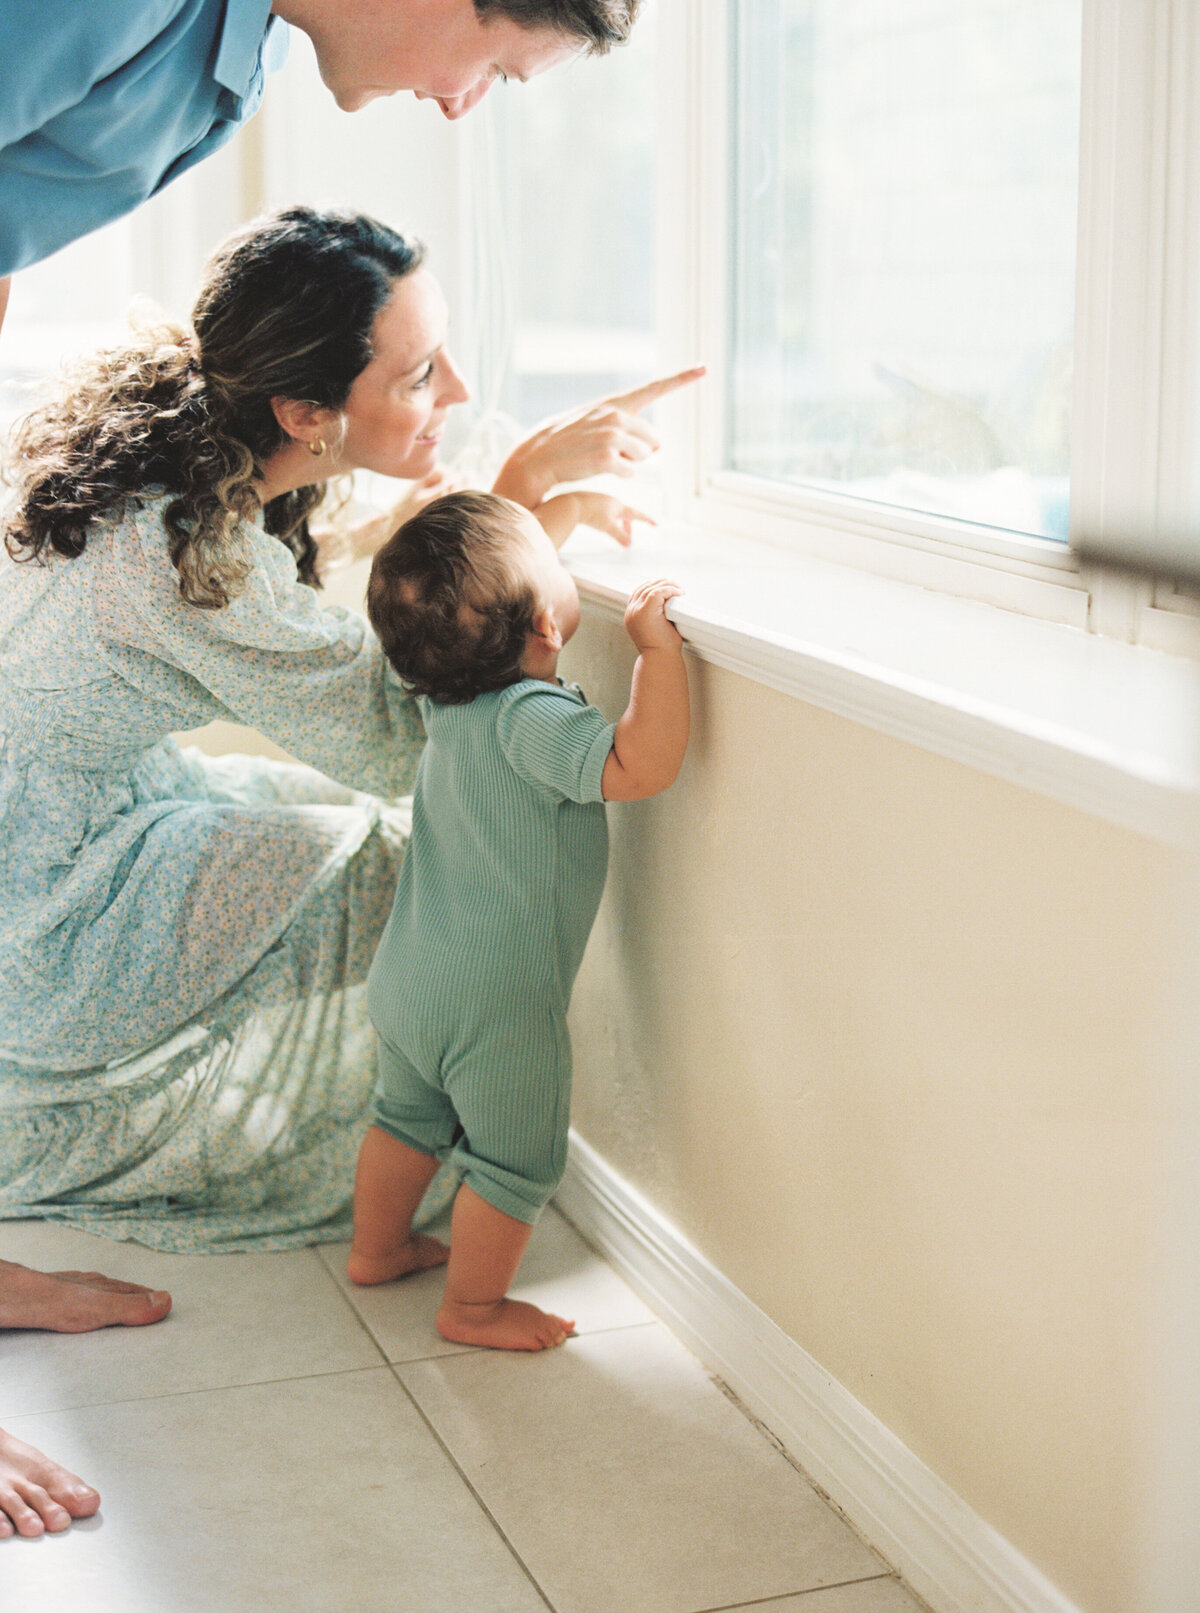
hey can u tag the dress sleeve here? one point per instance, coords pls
(555, 742)
(313, 678)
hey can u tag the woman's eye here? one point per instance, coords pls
(424, 378)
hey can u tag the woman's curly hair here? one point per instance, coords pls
(285, 310)
(449, 600)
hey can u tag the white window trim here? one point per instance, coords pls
(1105, 727)
(1135, 415)
(1059, 690)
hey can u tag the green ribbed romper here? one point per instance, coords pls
(497, 894)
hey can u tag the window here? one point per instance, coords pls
(565, 178)
(941, 257)
(903, 238)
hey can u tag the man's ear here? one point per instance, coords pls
(303, 422)
(547, 629)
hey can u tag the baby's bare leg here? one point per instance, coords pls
(388, 1188)
(486, 1247)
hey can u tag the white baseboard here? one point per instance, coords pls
(945, 1552)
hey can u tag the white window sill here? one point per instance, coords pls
(1110, 728)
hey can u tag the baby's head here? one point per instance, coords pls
(468, 596)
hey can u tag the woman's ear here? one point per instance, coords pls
(303, 422)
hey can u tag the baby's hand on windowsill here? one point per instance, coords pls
(560, 516)
(646, 619)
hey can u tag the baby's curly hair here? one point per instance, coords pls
(452, 611)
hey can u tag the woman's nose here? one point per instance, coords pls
(454, 388)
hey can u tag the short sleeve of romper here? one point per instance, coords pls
(555, 741)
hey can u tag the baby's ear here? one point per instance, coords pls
(547, 629)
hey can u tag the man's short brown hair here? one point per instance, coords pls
(598, 24)
(452, 608)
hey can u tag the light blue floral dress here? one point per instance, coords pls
(185, 1053)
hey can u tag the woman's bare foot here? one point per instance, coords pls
(506, 1324)
(74, 1301)
(36, 1495)
(418, 1254)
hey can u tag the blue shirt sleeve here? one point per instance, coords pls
(554, 741)
(64, 48)
(112, 102)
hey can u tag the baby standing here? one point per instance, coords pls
(498, 890)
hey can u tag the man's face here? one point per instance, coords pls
(438, 49)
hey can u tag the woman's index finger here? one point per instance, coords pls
(642, 396)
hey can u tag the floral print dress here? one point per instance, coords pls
(185, 1052)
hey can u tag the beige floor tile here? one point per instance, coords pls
(868, 1596)
(305, 1497)
(559, 1273)
(236, 1319)
(627, 1481)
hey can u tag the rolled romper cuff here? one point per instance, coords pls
(525, 1203)
(419, 1139)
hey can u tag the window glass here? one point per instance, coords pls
(904, 208)
(573, 181)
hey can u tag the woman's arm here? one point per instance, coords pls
(651, 738)
(5, 288)
(607, 436)
(313, 678)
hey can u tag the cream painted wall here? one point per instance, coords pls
(878, 1034)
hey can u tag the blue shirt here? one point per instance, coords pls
(102, 104)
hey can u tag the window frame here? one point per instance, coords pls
(1135, 418)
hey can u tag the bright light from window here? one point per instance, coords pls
(904, 252)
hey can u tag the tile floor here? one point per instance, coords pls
(284, 1443)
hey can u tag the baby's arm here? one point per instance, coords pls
(652, 736)
(561, 515)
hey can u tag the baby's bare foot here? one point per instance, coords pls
(509, 1324)
(418, 1254)
(37, 1495)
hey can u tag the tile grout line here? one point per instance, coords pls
(351, 1307)
(440, 1442)
(787, 1596)
(180, 1394)
(453, 1460)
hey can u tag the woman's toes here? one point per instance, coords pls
(140, 1307)
(91, 1307)
(77, 1499)
(25, 1519)
(97, 1279)
(55, 1517)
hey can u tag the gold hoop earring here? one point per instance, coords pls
(317, 447)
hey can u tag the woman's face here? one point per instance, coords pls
(396, 411)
